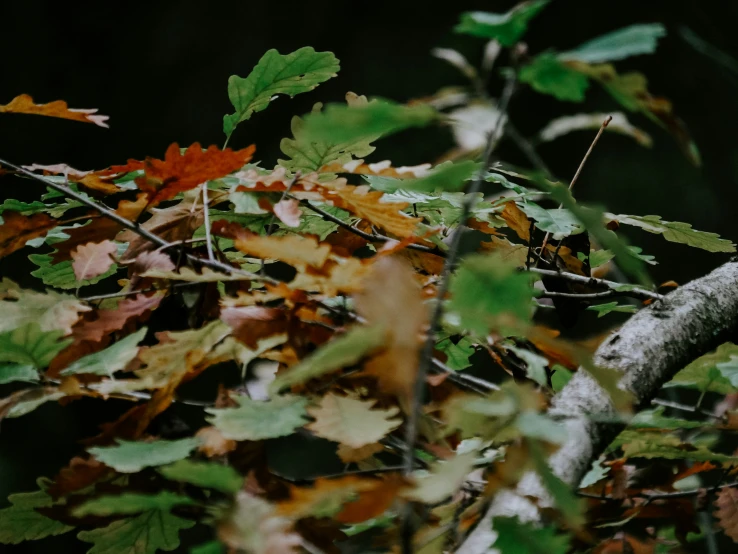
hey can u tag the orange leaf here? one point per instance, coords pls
(516, 220)
(250, 324)
(727, 513)
(292, 249)
(393, 299)
(19, 229)
(93, 259)
(163, 179)
(374, 502)
(24, 104)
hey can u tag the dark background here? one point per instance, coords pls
(160, 70)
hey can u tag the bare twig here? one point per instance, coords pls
(206, 222)
(662, 495)
(426, 358)
(136, 228)
(636, 292)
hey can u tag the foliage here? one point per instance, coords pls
(336, 288)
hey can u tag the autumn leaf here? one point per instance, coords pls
(352, 455)
(444, 479)
(288, 211)
(61, 275)
(252, 323)
(18, 229)
(108, 361)
(325, 498)
(111, 320)
(401, 311)
(50, 310)
(293, 249)
(177, 172)
(517, 220)
(93, 259)
(290, 74)
(727, 511)
(24, 104)
(350, 421)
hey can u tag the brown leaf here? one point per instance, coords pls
(373, 502)
(58, 169)
(393, 299)
(18, 229)
(213, 443)
(727, 511)
(250, 324)
(163, 179)
(516, 220)
(324, 497)
(79, 474)
(113, 320)
(292, 249)
(100, 229)
(288, 212)
(24, 104)
(93, 259)
(352, 455)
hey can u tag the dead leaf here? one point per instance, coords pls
(352, 455)
(93, 259)
(393, 299)
(384, 169)
(516, 220)
(24, 104)
(288, 212)
(99, 229)
(213, 443)
(325, 498)
(112, 320)
(18, 229)
(250, 324)
(177, 172)
(727, 511)
(373, 502)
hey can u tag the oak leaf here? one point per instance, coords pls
(52, 311)
(516, 220)
(352, 455)
(252, 323)
(727, 511)
(18, 229)
(114, 319)
(24, 104)
(352, 422)
(288, 212)
(177, 172)
(325, 498)
(93, 259)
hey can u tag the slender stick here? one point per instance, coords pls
(662, 496)
(579, 171)
(593, 281)
(136, 228)
(206, 222)
(411, 426)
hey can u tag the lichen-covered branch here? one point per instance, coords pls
(648, 349)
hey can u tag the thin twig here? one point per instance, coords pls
(206, 222)
(426, 358)
(366, 236)
(595, 282)
(583, 296)
(123, 222)
(579, 170)
(661, 496)
(684, 408)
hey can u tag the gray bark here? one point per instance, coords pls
(648, 349)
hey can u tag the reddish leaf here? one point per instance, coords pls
(18, 229)
(163, 179)
(93, 259)
(112, 320)
(79, 474)
(727, 512)
(250, 324)
(24, 104)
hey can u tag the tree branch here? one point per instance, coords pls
(648, 350)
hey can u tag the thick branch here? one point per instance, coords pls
(648, 349)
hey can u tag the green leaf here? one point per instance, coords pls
(539, 426)
(485, 287)
(29, 345)
(211, 547)
(535, 363)
(604, 309)
(547, 75)
(516, 537)
(256, 420)
(595, 474)
(561, 376)
(445, 177)
(113, 358)
(342, 124)
(729, 370)
(458, 354)
(601, 257)
(559, 222)
(18, 372)
(61, 275)
(570, 506)
(444, 480)
(131, 457)
(344, 351)
(507, 28)
(703, 373)
(674, 231)
(51, 310)
(208, 475)
(655, 419)
(21, 522)
(618, 45)
(592, 221)
(650, 444)
(131, 503)
(144, 534)
(290, 74)
(307, 155)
